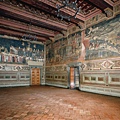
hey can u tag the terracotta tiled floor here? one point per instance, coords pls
(51, 103)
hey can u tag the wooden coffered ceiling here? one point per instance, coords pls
(39, 17)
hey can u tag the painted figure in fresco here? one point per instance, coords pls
(38, 53)
(19, 51)
(30, 55)
(33, 55)
(24, 52)
(28, 50)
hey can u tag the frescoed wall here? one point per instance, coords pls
(15, 58)
(99, 45)
(58, 54)
(64, 49)
(104, 39)
(15, 51)
(100, 72)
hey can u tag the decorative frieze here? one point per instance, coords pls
(102, 64)
(14, 67)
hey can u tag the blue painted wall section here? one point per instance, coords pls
(15, 51)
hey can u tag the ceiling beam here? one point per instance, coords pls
(26, 33)
(28, 21)
(18, 34)
(49, 9)
(112, 2)
(100, 4)
(28, 15)
(109, 2)
(27, 27)
(40, 5)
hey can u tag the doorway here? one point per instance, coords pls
(74, 75)
(35, 76)
(74, 81)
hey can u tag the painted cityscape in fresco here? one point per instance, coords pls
(15, 51)
(104, 39)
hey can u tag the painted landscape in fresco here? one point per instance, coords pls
(14, 51)
(104, 39)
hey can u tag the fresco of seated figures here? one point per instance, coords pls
(64, 49)
(15, 51)
(104, 39)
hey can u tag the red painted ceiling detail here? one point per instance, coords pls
(39, 17)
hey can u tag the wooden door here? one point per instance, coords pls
(35, 76)
(72, 84)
